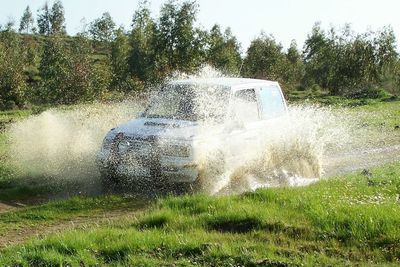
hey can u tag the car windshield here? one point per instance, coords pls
(189, 102)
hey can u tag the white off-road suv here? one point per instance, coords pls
(161, 145)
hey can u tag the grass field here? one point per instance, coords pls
(351, 219)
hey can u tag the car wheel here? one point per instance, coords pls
(109, 181)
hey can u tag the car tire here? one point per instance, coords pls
(110, 182)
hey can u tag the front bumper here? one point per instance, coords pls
(165, 169)
(145, 158)
(168, 174)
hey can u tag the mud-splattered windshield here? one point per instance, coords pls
(189, 102)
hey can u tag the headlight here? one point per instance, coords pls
(175, 150)
(123, 146)
(107, 142)
(110, 138)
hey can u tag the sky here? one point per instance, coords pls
(284, 19)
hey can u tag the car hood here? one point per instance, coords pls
(159, 128)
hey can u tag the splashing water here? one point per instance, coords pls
(288, 151)
(61, 144)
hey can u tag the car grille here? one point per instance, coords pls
(136, 147)
(140, 151)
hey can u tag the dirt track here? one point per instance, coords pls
(358, 159)
(4, 207)
(15, 237)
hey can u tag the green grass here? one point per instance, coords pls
(348, 220)
(384, 115)
(324, 98)
(377, 123)
(352, 219)
(14, 115)
(381, 113)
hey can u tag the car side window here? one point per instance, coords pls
(245, 105)
(272, 102)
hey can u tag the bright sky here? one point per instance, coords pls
(284, 19)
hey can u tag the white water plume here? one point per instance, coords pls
(286, 151)
(62, 144)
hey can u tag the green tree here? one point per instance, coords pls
(223, 52)
(355, 69)
(84, 80)
(188, 54)
(388, 61)
(32, 51)
(12, 63)
(43, 20)
(142, 57)
(265, 59)
(57, 18)
(119, 60)
(176, 43)
(350, 64)
(389, 78)
(320, 55)
(53, 71)
(385, 47)
(27, 22)
(103, 29)
(295, 67)
(68, 74)
(101, 77)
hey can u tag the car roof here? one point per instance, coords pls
(228, 82)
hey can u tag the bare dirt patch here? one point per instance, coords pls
(15, 237)
(4, 207)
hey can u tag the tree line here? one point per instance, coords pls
(41, 64)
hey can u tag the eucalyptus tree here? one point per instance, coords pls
(142, 59)
(223, 51)
(57, 18)
(119, 61)
(12, 64)
(177, 38)
(51, 21)
(27, 22)
(103, 29)
(265, 59)
(43, 20)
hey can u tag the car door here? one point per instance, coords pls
(243, 124)
(253, 111)
(271, 101)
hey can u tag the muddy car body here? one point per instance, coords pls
(162, 143)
